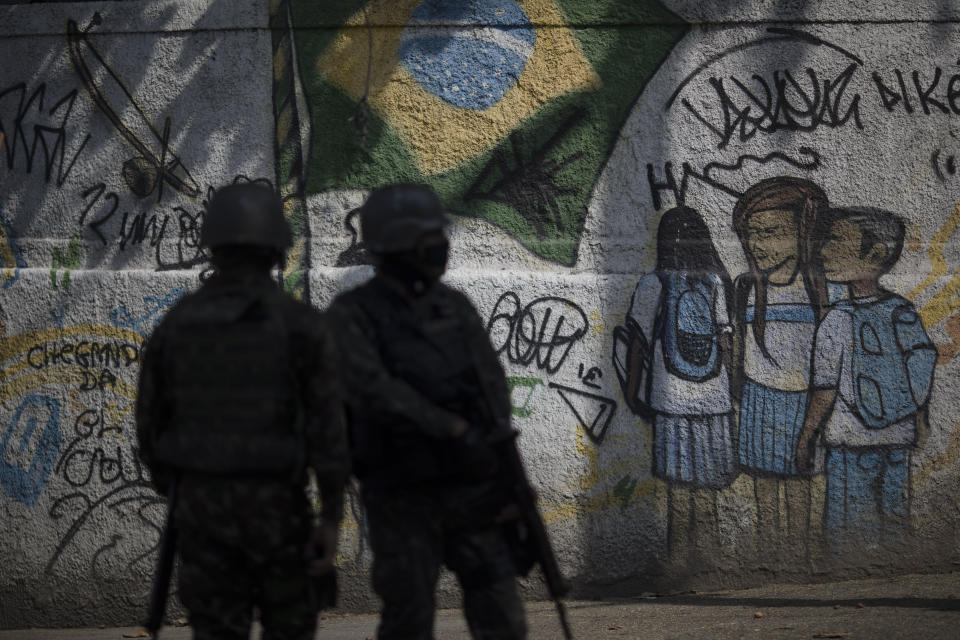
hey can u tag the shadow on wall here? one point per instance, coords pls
(143, 205)
(105, 167)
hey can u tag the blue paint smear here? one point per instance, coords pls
(26, 485)
(145, 324)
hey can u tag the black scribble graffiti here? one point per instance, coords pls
(178, 225)
(950, 165)
(18, 137)
(599, 409)
(943, 98)
(528, 183)
(593, 373)
(105, 475)
(810, 161)
(787, 105)
(356, 253)
(785, 102)
(542, 332)
(780, 35)
(156, 164)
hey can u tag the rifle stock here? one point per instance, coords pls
(536, 538)
(165, 558)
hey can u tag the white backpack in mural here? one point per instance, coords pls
(685, 326)
(893, 361)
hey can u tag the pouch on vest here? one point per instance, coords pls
(893, 361)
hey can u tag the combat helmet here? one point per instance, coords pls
(395, 217)
(248, 213)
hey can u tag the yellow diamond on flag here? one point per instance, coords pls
(454, 78)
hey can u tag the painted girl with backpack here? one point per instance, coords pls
(779, 301)
(873, 367)
(672, 358)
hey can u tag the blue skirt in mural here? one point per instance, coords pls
(770, 424)
(694, 450)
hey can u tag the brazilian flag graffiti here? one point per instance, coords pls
(508, 108)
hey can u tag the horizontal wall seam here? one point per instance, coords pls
(597, 25)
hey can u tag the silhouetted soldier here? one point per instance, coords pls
(238, 398)
(427, 399)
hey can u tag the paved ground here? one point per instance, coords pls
(914, 607)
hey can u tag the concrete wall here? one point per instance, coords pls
(561, 132)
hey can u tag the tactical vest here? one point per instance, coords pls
(233, 392)
(432, 356)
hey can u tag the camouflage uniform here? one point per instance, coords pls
(413, 365)
(221, 409)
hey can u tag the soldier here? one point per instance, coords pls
(237, 399)
(426, 393)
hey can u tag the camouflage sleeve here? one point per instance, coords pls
(372, 391)
(151, 408)
(325, 427)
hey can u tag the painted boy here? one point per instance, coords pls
(872, 370)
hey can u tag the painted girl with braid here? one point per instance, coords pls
(778, 303)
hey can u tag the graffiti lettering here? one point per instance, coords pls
(84, 353)
(924, 92)
(141, 228)
(784, 102)
(593, 373)
(97, 380)
(135, 228)
(98, 449)
(51, 138)
(543, 331)
(99, 459)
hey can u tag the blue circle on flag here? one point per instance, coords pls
(467, 53)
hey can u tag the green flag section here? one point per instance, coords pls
(506, 108)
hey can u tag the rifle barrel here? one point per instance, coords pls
(562, 614)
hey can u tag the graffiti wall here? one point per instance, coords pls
(715, 247)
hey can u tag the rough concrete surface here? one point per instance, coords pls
(714, 179)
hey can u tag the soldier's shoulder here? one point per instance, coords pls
(180, 308)
(459, 298)
(354, 296)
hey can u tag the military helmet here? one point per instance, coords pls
(247, 214)
(395, 217)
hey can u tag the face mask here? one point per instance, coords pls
(417, 269)
(434, 257)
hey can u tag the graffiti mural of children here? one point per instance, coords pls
(680, 312)
(872, 371)
(778, 303)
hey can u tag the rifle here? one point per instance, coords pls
(161, 579)
(531, 533)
